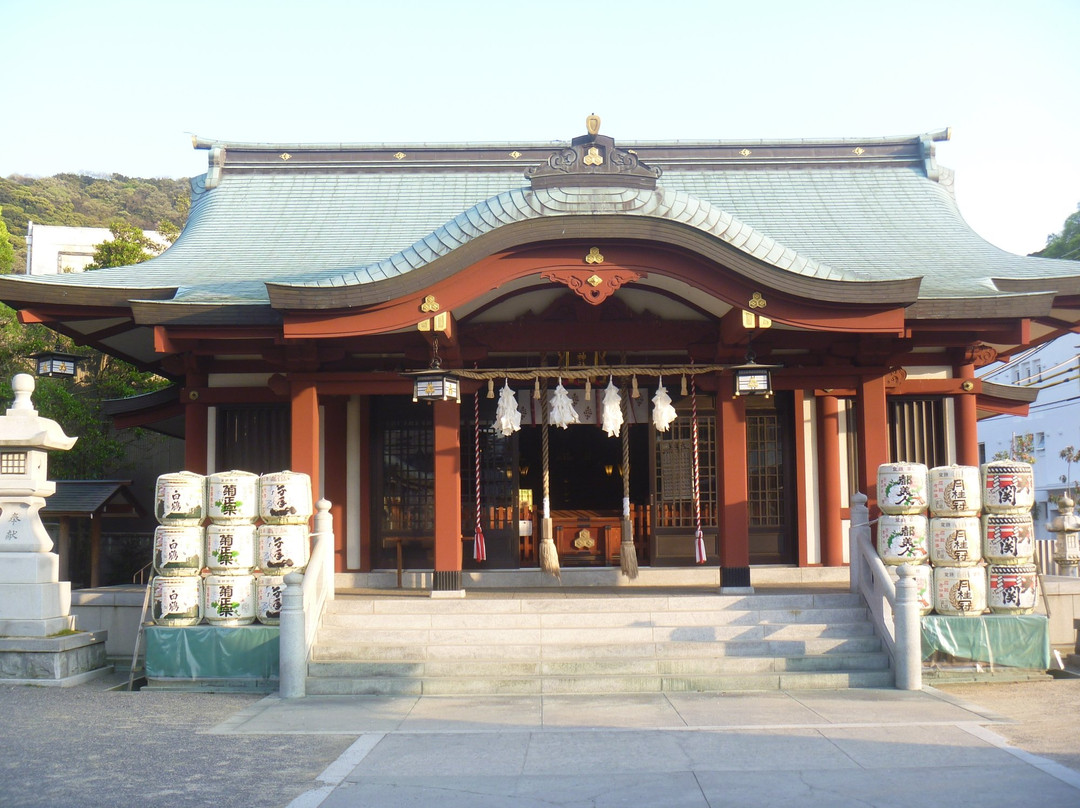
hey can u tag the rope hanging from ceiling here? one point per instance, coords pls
(587, 371)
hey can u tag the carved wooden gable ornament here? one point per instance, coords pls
(593, 160)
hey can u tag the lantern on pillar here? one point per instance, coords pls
(1066, 527)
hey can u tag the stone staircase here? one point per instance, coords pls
(538, 643)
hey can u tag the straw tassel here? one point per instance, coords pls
(549, 553)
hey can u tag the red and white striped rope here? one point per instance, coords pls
(699, 540)
(479, 550)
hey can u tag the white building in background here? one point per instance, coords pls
(1053, 422)
(55, 249)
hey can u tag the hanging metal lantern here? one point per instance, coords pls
(436, 385)
(55, 364)
(753, 379)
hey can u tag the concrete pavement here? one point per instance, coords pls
(86, 747)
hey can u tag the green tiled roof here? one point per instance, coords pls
(324, 226)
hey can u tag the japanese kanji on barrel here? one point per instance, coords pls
(178, 550)
(283, 548)
(268, 595)
(229, 600)
(902, 539)
(285, 498)
(1008, 538)
(176, 600)
(230, 548)
(1013, 588)
(232, 496)
(955, 541)
(902, 488)
(955, 491)
(1008, 487)
(960, 591)
(180, 499)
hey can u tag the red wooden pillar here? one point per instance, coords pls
(305, 432)
(829, 499)
(967, 430)
(447, 576)
(195, 435)
(873, 437)
(734, 495)
(335, 486)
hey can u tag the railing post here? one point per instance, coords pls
(859, 526)
(908, 631)
(293, 655)
(324, 526)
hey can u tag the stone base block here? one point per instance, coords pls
(34, 601)
(31, 628)
(56, 661)
(29, 568)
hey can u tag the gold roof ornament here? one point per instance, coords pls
(592, 124)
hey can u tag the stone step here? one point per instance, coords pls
(631, 666)
(352, 604)
(351, 651)
(531, 685)
(421, 620)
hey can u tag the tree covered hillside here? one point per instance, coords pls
(88, 201)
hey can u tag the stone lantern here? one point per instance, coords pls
(33, 603)
(1066, 526)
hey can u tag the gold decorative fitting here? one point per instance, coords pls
(967, 386)
(757, 301)
(594, 280)
(430, 304)
(749, 319)
(285, 155)
(584, 540)
(858, 151)
(592, 124)
(400, 155)
(593, 158)
(594, 257)
(515, 154)
(745, 152)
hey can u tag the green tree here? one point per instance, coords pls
(128, 246)
(7, 252)
(1065, 244)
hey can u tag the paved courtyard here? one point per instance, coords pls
(88, 747)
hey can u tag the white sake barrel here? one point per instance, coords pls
(178, 550)
(1008, 538)
(283, 548)
(924, 585)
(902, 539)
(1013, 588)
(954, 491)
(230, 548)
(229, 600)
(960, 591)
(955, 541)
(232, 496)
(285, 498)
(901, 488)
(1008, 487)
(180, 498)
(268, 595)
(176, 600)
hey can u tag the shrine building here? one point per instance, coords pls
(813, 308)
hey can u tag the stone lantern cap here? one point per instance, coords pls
(23, 427)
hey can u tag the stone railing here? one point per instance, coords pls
(894, 607)
(303, 603)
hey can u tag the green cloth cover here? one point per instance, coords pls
(1013, 641)
(212, 652)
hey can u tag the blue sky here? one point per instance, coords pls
(118, 86)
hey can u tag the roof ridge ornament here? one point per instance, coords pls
(593, 160)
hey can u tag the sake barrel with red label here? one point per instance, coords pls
(924, 585)
(902, 539)
(176, 600)
(230, 548)
(178, 550)
(955, 541)
(1008, 487)
(955, 491)
(268, 596)
(283, 548)
(180, 498)
(1013, 588)
(1008, 538)
(232, 496)
(960, 591)
(902, 488)
(285, 498)
(229, 600)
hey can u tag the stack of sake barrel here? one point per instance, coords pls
(955, 540)
(902, 528)
(229, 572)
